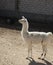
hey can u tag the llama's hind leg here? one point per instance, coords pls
(44, 47)
(45, 51)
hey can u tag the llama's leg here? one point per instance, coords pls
(45, 51)
(44, 47)
(29, 50)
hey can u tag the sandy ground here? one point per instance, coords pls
(13, 51)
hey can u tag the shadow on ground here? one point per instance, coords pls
(33, 62)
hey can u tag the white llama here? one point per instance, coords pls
(34, 37)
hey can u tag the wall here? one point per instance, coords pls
(30, 6)
(36, 6)
(7, 4)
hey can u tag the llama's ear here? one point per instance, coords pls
(23, 17)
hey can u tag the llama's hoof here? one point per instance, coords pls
(42, 54)
(27, 57)
(41, 58)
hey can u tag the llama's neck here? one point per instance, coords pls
(25, 27)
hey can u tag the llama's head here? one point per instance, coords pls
(23, 20)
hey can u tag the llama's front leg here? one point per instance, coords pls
(30, 51)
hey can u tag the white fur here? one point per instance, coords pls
(33, 37)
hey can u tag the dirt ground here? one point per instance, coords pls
(13, 51)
